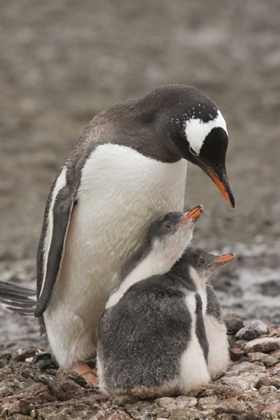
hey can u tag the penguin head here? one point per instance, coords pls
(193, 128)
(204, 263)
(169, 235)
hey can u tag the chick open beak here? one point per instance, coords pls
(222, 259)
(193, 214)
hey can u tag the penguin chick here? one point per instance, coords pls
(204, 267)
(166, 240)
(152, 342)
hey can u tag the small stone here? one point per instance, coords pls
(274, 370)
(40, 355)
(20, 406)
(264, 345)
(207, 402)
(167, 402)
(5, 356)
(160, 412)
(5, 390)
(245, 368)
(183, 401)
(63, 389)
(187, 414)
(3, 363)
(265, 390)
(231, 406)
(274, 331)
(233, 323)
(140, 410)
(252, 331)
(236, 354)
(267, 381)
(47, 364)
(22, 354)
(276, 353)
(257, 357)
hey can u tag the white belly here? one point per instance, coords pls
(218, 358)
(121, 192)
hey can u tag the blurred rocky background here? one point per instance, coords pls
(64, 61)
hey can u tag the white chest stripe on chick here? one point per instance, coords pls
(151, 265)
(193, 367)
(200, 285)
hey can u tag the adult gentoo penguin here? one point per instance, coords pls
(128, 168)
(153, 340)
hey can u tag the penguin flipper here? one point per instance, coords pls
(52, 243)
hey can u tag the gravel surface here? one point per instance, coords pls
(33, 388)
(63, 62)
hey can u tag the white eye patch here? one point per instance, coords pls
(197, 130)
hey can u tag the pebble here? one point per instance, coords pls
(267, 381)
(233, 323)
(63, 389)
(167, 403)
(22, 354)
(263, 345)
(252, 331)
(207, 402)
(5, 390)
(140, 410)
(188, 414)
(236, 353)
(183, 401)
(267, 359)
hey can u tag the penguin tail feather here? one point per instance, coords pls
(18, 299)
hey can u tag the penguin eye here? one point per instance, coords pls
(168, 225)
(193, 152)
(201, 260)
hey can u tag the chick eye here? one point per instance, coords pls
(168, 225)
(201, 260)
(193, 152)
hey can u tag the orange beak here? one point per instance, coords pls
(221, 187)
(223, 259)
(194, 214)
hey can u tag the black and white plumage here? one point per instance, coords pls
(128, 168)
(154, 340)
(218, 358)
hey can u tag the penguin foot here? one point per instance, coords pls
(83, 369)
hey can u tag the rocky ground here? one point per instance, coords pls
(32, 387)
(63, 61)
